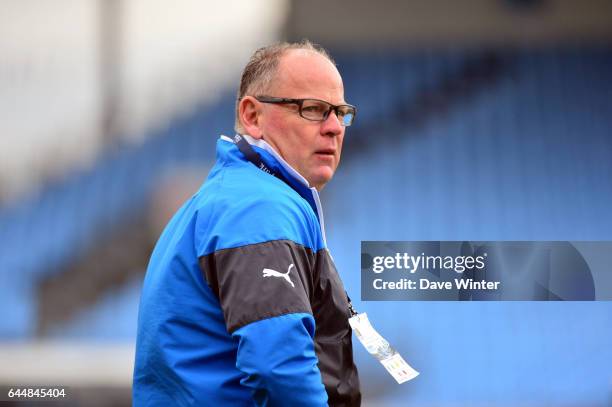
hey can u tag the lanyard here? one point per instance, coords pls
(351, 308)
(252, 156)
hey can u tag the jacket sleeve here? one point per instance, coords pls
(278, 357)
(264, 291)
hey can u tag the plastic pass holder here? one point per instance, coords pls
(378, 347)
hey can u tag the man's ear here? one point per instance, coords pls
(249, 113)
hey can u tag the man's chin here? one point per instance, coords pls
(322, 177)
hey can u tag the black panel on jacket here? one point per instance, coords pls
(259, 281)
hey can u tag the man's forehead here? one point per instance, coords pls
(305, 71)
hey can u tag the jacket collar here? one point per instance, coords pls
(295, 180)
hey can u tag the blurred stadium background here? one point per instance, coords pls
(477, 120)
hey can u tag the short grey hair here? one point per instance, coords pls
(259, 72)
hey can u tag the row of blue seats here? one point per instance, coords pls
(379, 80)
(41, 235)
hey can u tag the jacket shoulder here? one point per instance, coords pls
(249, 207)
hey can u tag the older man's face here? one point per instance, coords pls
(312, 148)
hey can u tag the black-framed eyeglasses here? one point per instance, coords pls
(316, 110)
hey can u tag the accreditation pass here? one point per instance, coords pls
(381, 350)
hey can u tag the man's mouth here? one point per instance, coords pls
(329, 151)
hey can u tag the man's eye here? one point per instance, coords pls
(313, 109)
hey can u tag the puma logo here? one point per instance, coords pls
(274, 273)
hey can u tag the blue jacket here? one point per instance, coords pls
(241, 303)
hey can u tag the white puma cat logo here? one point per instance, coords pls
(274, 273)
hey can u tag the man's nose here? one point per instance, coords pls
(331, 126)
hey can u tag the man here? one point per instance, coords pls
(241, 303)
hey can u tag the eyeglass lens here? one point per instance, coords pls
(319, 110)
